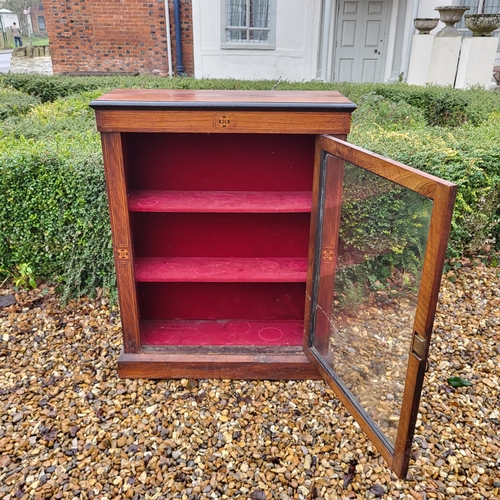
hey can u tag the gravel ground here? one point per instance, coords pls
(70, 428)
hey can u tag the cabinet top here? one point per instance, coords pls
(271, 100)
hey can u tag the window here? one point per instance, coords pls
(488, 6)
(248, 24)
(41, 23)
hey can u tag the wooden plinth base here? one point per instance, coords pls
(219, 363)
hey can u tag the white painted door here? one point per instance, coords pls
(360, 40)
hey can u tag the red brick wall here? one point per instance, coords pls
(115, 35)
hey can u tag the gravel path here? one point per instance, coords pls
(70, 428)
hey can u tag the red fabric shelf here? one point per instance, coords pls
(220, 201)
(210, 269)
(225, 332)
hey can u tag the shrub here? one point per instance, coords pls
(444, 106)
(14, 103)
(53, 212)
(65, 116)
(51, 88)
(468, 156)
(53, 209)
(375, 109)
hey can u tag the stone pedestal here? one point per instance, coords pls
(420, 59)
(444, 60)
(477, 59)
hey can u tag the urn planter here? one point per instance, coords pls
(482, 24)
(425, 25)
(450, 15)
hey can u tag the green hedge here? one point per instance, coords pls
(65, 117)
(442, 106)
(53, 210)
(14, 103)
(468, 156)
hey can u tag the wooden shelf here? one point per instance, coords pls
(210, 269)
(220, 333)
(220, 201)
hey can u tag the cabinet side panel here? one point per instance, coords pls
(122, 246)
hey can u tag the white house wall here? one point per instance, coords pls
(8, 18)
(427, 8)
(293, 59)
(298, 54)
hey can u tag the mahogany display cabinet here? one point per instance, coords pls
(252, 241)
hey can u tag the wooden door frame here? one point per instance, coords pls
(443, 195)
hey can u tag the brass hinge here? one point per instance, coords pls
(418, 347)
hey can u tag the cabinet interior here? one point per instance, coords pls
(220, 233)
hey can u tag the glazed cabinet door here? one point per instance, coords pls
(379, 231)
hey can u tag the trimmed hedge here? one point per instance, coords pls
(65, 117)
(53, 209)
(468, 156)
(53, 212)
(14, 103)
(441, 106)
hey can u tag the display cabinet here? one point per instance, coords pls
(210, 201)
(252, 241)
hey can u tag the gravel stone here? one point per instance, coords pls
(70, 428)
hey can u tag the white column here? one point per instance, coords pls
(477, 59)
(420, 59)
(444, 60)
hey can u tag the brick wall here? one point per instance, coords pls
(119, 36)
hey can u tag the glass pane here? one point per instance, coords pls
(261, 36)
(368, 322)
(237, 35)
(236, 12)
(259, 13)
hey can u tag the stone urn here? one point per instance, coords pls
(424, 25)
(450, 15)
(482, 24)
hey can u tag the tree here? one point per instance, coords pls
(18, 7)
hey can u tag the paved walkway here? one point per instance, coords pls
(5, 56)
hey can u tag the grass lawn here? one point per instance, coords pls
(36, 41)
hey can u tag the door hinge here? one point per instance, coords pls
(418, 347)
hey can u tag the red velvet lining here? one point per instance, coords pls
(219, 162)
(210, 269)
(199, 201)
(227, 332)
(220, 235)
(215, 301)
